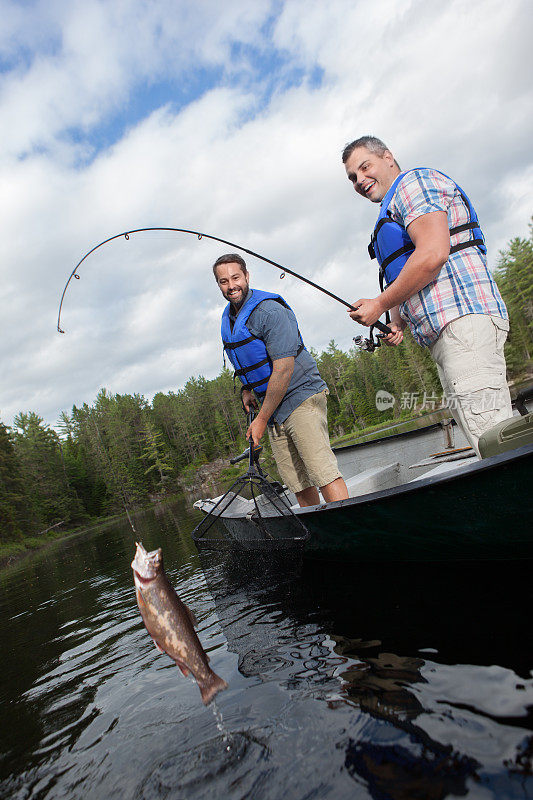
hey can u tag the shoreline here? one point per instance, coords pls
(12, 553)
(15, 552)
(205, 477)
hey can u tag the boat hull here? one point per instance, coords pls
(482, 511)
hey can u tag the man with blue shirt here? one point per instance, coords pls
(434, 277)
(262, 340)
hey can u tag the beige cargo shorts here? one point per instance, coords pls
(301, 446)
(471, 365)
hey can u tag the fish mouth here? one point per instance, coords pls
(140, 578)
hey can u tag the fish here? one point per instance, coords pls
(170, 622)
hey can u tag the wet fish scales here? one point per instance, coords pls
(170, 622)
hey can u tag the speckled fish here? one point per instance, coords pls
(170, 623)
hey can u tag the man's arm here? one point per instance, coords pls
(431, 237)
(282, 369)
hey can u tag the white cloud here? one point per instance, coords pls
(97, 53)
(438, 82)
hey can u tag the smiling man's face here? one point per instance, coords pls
(370, 173)
(233, 282)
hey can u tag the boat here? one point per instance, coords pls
(419, 496)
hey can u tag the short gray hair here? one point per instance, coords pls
(371, 143)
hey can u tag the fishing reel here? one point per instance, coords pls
(370, 344)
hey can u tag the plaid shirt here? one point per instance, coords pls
(464, 285)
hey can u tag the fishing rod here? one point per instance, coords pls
(126, 234)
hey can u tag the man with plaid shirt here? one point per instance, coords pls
(432, 258)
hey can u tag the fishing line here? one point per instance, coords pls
(126, 234)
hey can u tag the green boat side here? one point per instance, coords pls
(417, 499)
(482, 511)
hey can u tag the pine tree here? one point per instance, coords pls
(15, 518)
(514, 276)
(155, 453)
(38, 450)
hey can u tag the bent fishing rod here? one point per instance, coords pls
(126, 234)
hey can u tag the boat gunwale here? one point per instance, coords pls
(481, 465)
(415, 485)
(401, 434)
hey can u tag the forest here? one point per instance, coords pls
(122, 452)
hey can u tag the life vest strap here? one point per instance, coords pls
(244, 370)
(230, 346)
(466, 226)
(380, 224)
(408, 248)
(464, 245)
(253, 385)
(266, 360)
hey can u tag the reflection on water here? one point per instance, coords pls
(343, 682)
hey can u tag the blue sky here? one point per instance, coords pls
(257, 68)
(230, 119)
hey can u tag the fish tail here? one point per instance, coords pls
(211, 686)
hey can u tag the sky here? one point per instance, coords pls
(227, 119)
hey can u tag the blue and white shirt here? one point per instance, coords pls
(464, 285)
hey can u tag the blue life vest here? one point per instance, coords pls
(392, 245)
(246, 351)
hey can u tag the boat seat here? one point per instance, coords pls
(374, 479)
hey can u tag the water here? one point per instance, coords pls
(344, 682)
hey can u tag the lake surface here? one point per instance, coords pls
(344, 682)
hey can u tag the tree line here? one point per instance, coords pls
(123, 451)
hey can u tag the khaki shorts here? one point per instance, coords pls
(471, 365)
(301, 446)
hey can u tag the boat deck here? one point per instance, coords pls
(372, 467)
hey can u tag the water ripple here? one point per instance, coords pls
(320, 703)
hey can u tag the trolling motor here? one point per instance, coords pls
(254, 479)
